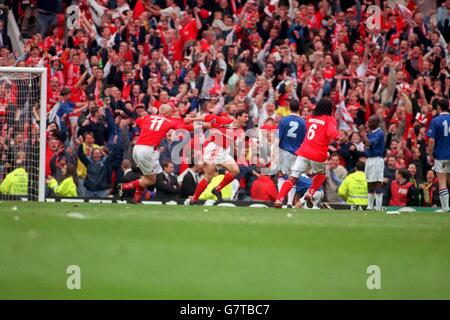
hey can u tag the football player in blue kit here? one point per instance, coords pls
(439, 149)
(374, 168)
(291, 133)
(303, 184)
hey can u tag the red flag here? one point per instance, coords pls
(138, 9)
(233, 6)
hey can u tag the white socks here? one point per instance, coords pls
(377, 198)
(378, 201)
(370, 198)
(291, 194)
(443, 196)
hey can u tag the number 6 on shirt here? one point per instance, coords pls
(311, 131)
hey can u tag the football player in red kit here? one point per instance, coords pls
(222, 137)
(321, 129)
(154, 128)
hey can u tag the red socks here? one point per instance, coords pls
(204, 183)
(225, 181)
(285, 188)
(138, 194)
(317, 182)
(200, 188)
(131, 185)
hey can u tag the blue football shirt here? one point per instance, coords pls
(376, 139)
(291, 133)
(439, 130)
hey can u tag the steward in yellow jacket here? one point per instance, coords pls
(226, 192)
(354, 187)
(15, 183)
(67, 187)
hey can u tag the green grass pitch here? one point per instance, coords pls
(181, 252)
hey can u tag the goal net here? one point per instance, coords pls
(22, 140)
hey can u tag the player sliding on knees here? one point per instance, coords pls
(154, 128)
(321, 128)
(223, 134)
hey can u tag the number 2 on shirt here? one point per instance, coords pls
(293, 125)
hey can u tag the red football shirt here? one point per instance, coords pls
(73, 74)
(329, 73)
(176, 47)
(222, 132)
(189, 31)
(52, 98)
(154, 128)
(320, 130)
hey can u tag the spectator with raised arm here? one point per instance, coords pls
(99, 168)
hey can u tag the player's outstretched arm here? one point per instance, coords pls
(194, 119)
(335, 134)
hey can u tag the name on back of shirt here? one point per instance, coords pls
(318, 121)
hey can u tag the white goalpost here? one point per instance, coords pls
(23, 98)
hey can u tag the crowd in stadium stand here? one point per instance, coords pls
(221, 57)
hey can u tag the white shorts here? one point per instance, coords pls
(146, 158)
(374, 169)
(302, 165)
(285, 161)
(212, 153)
(441, 166)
